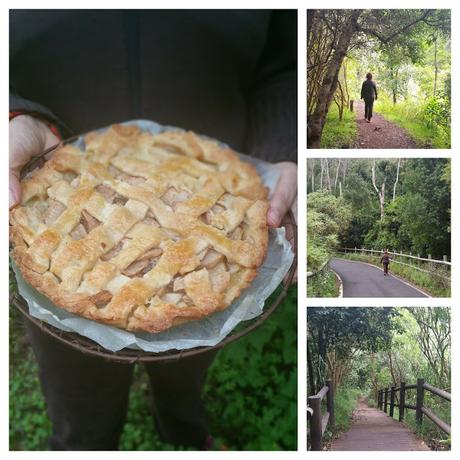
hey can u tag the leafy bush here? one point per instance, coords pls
(323, 284)
(428, 122)
(328, 217)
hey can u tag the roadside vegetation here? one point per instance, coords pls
(328, 216)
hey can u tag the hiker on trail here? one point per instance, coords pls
(368, 90)
(385, 260)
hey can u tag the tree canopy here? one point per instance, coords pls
(401, 204)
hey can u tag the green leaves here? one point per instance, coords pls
(252, 386)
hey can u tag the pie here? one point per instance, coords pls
(141, 231)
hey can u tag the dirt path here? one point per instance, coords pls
(372, 429)
(380, 133)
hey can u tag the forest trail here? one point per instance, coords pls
(373, 430)
(364, 280)
(380, 133)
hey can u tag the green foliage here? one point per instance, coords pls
(339, 134)
(427, 121)
(250, 395)
(416, 217)
(345, 403)
(345, 329)
(328, 217)
(323, 284)
(254, 382)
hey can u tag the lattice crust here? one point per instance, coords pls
(141, 231)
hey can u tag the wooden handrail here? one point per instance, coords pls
(319, 422)
(437, 391)
(420, 409)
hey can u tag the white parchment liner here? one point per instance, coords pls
(206, 332)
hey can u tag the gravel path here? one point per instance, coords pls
(380, 133)
(364, 280)
(372, 429)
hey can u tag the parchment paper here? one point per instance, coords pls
(206, 332)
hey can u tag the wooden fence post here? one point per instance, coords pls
(351, 105)
(379, 399)
(392, 400)
(419, 405)
(330, 401)
(402, 400)
(316, 429)
(386, 400)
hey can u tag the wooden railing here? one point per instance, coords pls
(319, 421)
(386, 400)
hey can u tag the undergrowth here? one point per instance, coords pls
(339, 134)
(323, 284)
(419, 120)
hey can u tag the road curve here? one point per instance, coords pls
(364, 280)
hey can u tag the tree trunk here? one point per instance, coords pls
(397, 179)
(329, 83)
(380, 193)
(311, 373)
(337, 175)
(435, 64)
(310, 19)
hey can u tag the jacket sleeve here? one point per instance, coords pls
(20, 104)
(362, 90)
(272, 102)
(375, 90)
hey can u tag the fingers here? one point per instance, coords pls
(284, 195)
(15, 189)
(28, 137)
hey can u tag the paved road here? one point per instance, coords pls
(364, 280)
(372, 429)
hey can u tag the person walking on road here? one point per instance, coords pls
(385, 260)
(368, 91)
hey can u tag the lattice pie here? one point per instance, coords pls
(141, 231)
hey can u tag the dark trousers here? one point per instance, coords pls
(385, 268)
(87, 397)
(368, 105)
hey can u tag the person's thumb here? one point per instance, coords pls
(283, 196)
(15, 189)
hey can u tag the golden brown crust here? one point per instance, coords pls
(141, 231)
